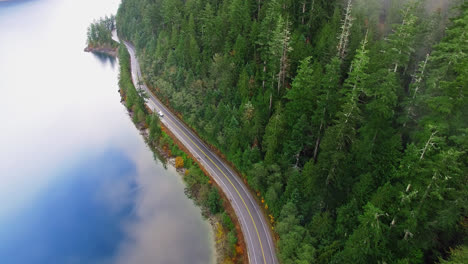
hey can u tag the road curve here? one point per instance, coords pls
(258, 238)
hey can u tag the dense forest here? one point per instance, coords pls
(349, 118)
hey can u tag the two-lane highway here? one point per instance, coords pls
(260, 246)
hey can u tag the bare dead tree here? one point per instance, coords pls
(284, 62)
(345, 31)
(403, 34)
(417, 79)
(429, 144)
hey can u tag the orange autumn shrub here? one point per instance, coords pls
(179, 162)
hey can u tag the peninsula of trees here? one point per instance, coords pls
(348, 118)
(99, 36)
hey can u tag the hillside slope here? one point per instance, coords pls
(348, 117)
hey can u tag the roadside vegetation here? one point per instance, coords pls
(348, 118)
(198, 186)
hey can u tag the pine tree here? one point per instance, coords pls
(334, 157)
(367, 243)
(273, 134)
(401, 41)
(268, 25)
(279, 49)
(414, 93)
(154, 128)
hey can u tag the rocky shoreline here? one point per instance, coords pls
(103, 49)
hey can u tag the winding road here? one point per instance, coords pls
(260, 246)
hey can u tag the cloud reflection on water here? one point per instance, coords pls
(77, 177)
(163, 227)
(78, 219)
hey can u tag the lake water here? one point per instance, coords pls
(77, 182)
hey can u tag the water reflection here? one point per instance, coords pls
(11, 3)
(77, 181)
(104, 58)
(77, 219)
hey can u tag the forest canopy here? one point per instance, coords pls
(348, 117)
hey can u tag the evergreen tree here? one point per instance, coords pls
(334, 157)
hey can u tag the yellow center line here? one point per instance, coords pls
(237, 191)
(255, 226)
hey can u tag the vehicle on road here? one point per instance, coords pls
(160, 113)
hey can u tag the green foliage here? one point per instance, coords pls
(457, 256)
(360, 159)
(227, 221)
(155, 128)
(100, 32)
(134, 99)
(232, 241)
(214, 201)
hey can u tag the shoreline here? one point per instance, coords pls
(224, 222)
(219, 253)
(241, 248)
(103, 50)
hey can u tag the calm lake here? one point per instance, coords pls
(77, 182)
